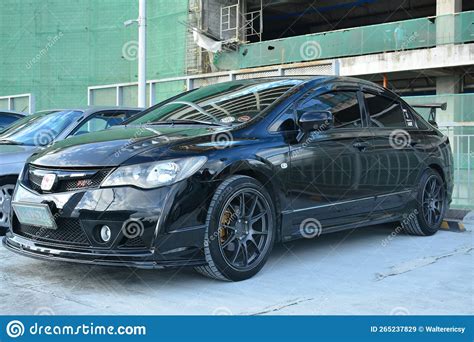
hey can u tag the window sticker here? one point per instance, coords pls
(228, 119)
(244, 118)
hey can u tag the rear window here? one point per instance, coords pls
(384, 112)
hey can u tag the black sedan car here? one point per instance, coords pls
(212, 178)
(8, 117)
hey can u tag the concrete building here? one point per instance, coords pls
(60, 53)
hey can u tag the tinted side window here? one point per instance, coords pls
(344, 106)
(7, 119)
(384, 112)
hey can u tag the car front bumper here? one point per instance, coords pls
(161, 239)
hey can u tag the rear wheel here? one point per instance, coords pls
(431, 206)
(240, 230)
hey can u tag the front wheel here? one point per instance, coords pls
(240, 230)
(431, 206)
(7, 186)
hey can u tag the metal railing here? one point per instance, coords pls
(403, 35)
(463, 158)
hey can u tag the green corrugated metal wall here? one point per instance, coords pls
(56, 48)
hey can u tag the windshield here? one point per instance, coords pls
(39, 129)
(226, 103)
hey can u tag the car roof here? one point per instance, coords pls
(89, 110)
(13, 113)
(312, 80)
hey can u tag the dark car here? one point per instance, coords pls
(32, 133)
(8, 117)
(212, 178)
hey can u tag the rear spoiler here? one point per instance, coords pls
(432, 107)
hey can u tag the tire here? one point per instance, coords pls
(237, 231)
(7, 185)
(421, 222)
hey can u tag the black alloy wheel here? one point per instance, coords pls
(240, 231)
(430, 208)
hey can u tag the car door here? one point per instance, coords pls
(326, 165)
(394, 171)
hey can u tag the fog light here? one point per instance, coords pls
(105, 233)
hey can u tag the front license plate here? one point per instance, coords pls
(34, 214)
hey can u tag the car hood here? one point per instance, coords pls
(114, 146)
(12, 154)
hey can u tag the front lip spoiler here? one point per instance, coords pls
(135, 259)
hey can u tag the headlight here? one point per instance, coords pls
(156, 174)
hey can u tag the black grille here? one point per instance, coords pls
(133, 243)
(92, 179)
(92, 182)
(35, 181)
(69, 231)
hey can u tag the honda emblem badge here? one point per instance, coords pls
(48, 182)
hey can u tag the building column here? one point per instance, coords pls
(448, 6)
(445, 22)
(446, 87)
(446, 34)
(451, 84)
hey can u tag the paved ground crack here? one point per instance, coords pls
(411, 265)
(278, 307)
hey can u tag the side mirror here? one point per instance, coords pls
(316, 120)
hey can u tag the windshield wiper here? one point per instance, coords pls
(10, 142)
(185, 122)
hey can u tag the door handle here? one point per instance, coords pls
(361, 146)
